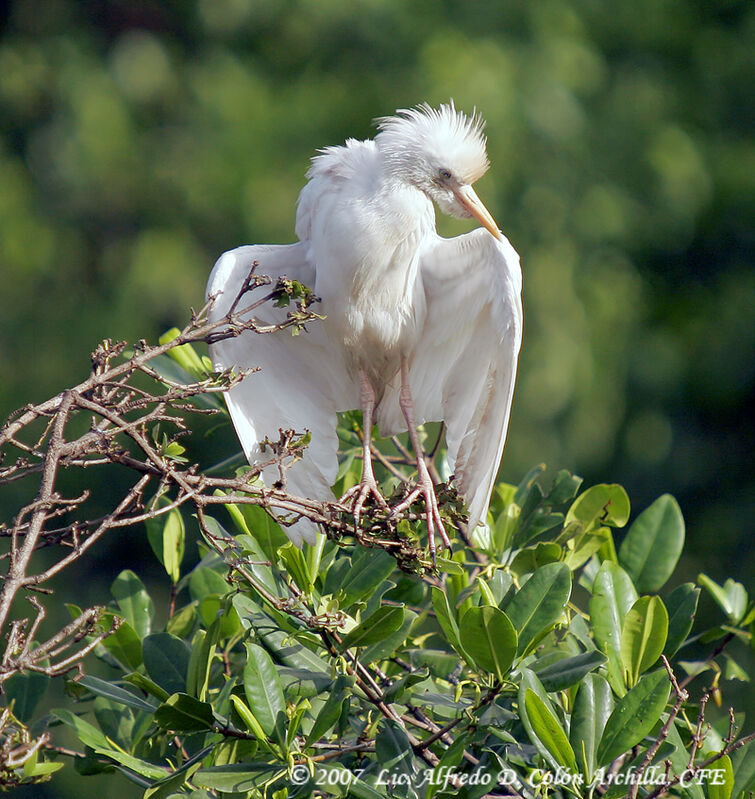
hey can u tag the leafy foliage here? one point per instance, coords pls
(358, 666)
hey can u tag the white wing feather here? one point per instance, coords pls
(300, 384)
(463, 367)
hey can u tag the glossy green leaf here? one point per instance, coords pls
(489, 638)
(388, 645)
(384, 621)
(261, 526)
(446, 617)
(612, 596)
(200, 662)
(86, 732)
(652, 546)
(115, 693)
(369, 567)
(263, 689)
(549, 731)
(296, 566)
(720, 779)
(643, 637)
(167, 537)
(634, 716)
(731, 597)
(592, 708)
(166, 659)
(206, 581)
(330, 712)
(598, 506)
(148, 686)
(236, 777)
(568, 671)
(539, 603)
(682, 607)
(743, 765)
(286, 649)
(393, 748)
(125, 645)
(133, 602)
(581, 547)
(529, 683)
(184, 713)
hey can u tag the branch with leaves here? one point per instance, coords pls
(287, 672)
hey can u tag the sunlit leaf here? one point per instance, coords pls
(653, 544)
(634, 716)
(489, 638)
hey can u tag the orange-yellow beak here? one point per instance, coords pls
(467, 196)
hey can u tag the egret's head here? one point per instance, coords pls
(441, 152)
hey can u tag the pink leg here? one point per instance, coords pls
(368, 485)
(424, 481)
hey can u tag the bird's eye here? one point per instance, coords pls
(444, 174)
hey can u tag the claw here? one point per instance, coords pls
(433, 519)
(358, 495)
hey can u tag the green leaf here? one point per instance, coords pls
(643, 637)
(490, 639)
(634, 716)
(539, 603)
(568, 671)
(388, 646)
(263, 689)
(25, 690)
(369, 567)
(601, 505)
(682, 607)
(262, 527)
(743, 763)
(237, 777)
(166, 659)
(651, 549)
(548, 729)
(286, 650)
(612, 597)
(330, 712)
(87, 733)
(592, 708)
(731, 598)
(529, 683)
(393, 749)
(115, 693)
(148, 686)
(184, 713)
(183, 354)
(293, 559)
(205, 581)
(133, 601)
(446, 617)
(125, 645)
(384, 621)
(200, 660)
(167, 537)
(720, 779)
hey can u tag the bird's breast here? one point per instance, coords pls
(367, 278)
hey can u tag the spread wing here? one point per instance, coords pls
(300, 385)
(463, 367)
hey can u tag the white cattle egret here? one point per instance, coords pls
(417, 327)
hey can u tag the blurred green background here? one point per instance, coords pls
(138, 140)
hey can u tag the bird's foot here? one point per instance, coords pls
(433, 519)
(357, 496)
